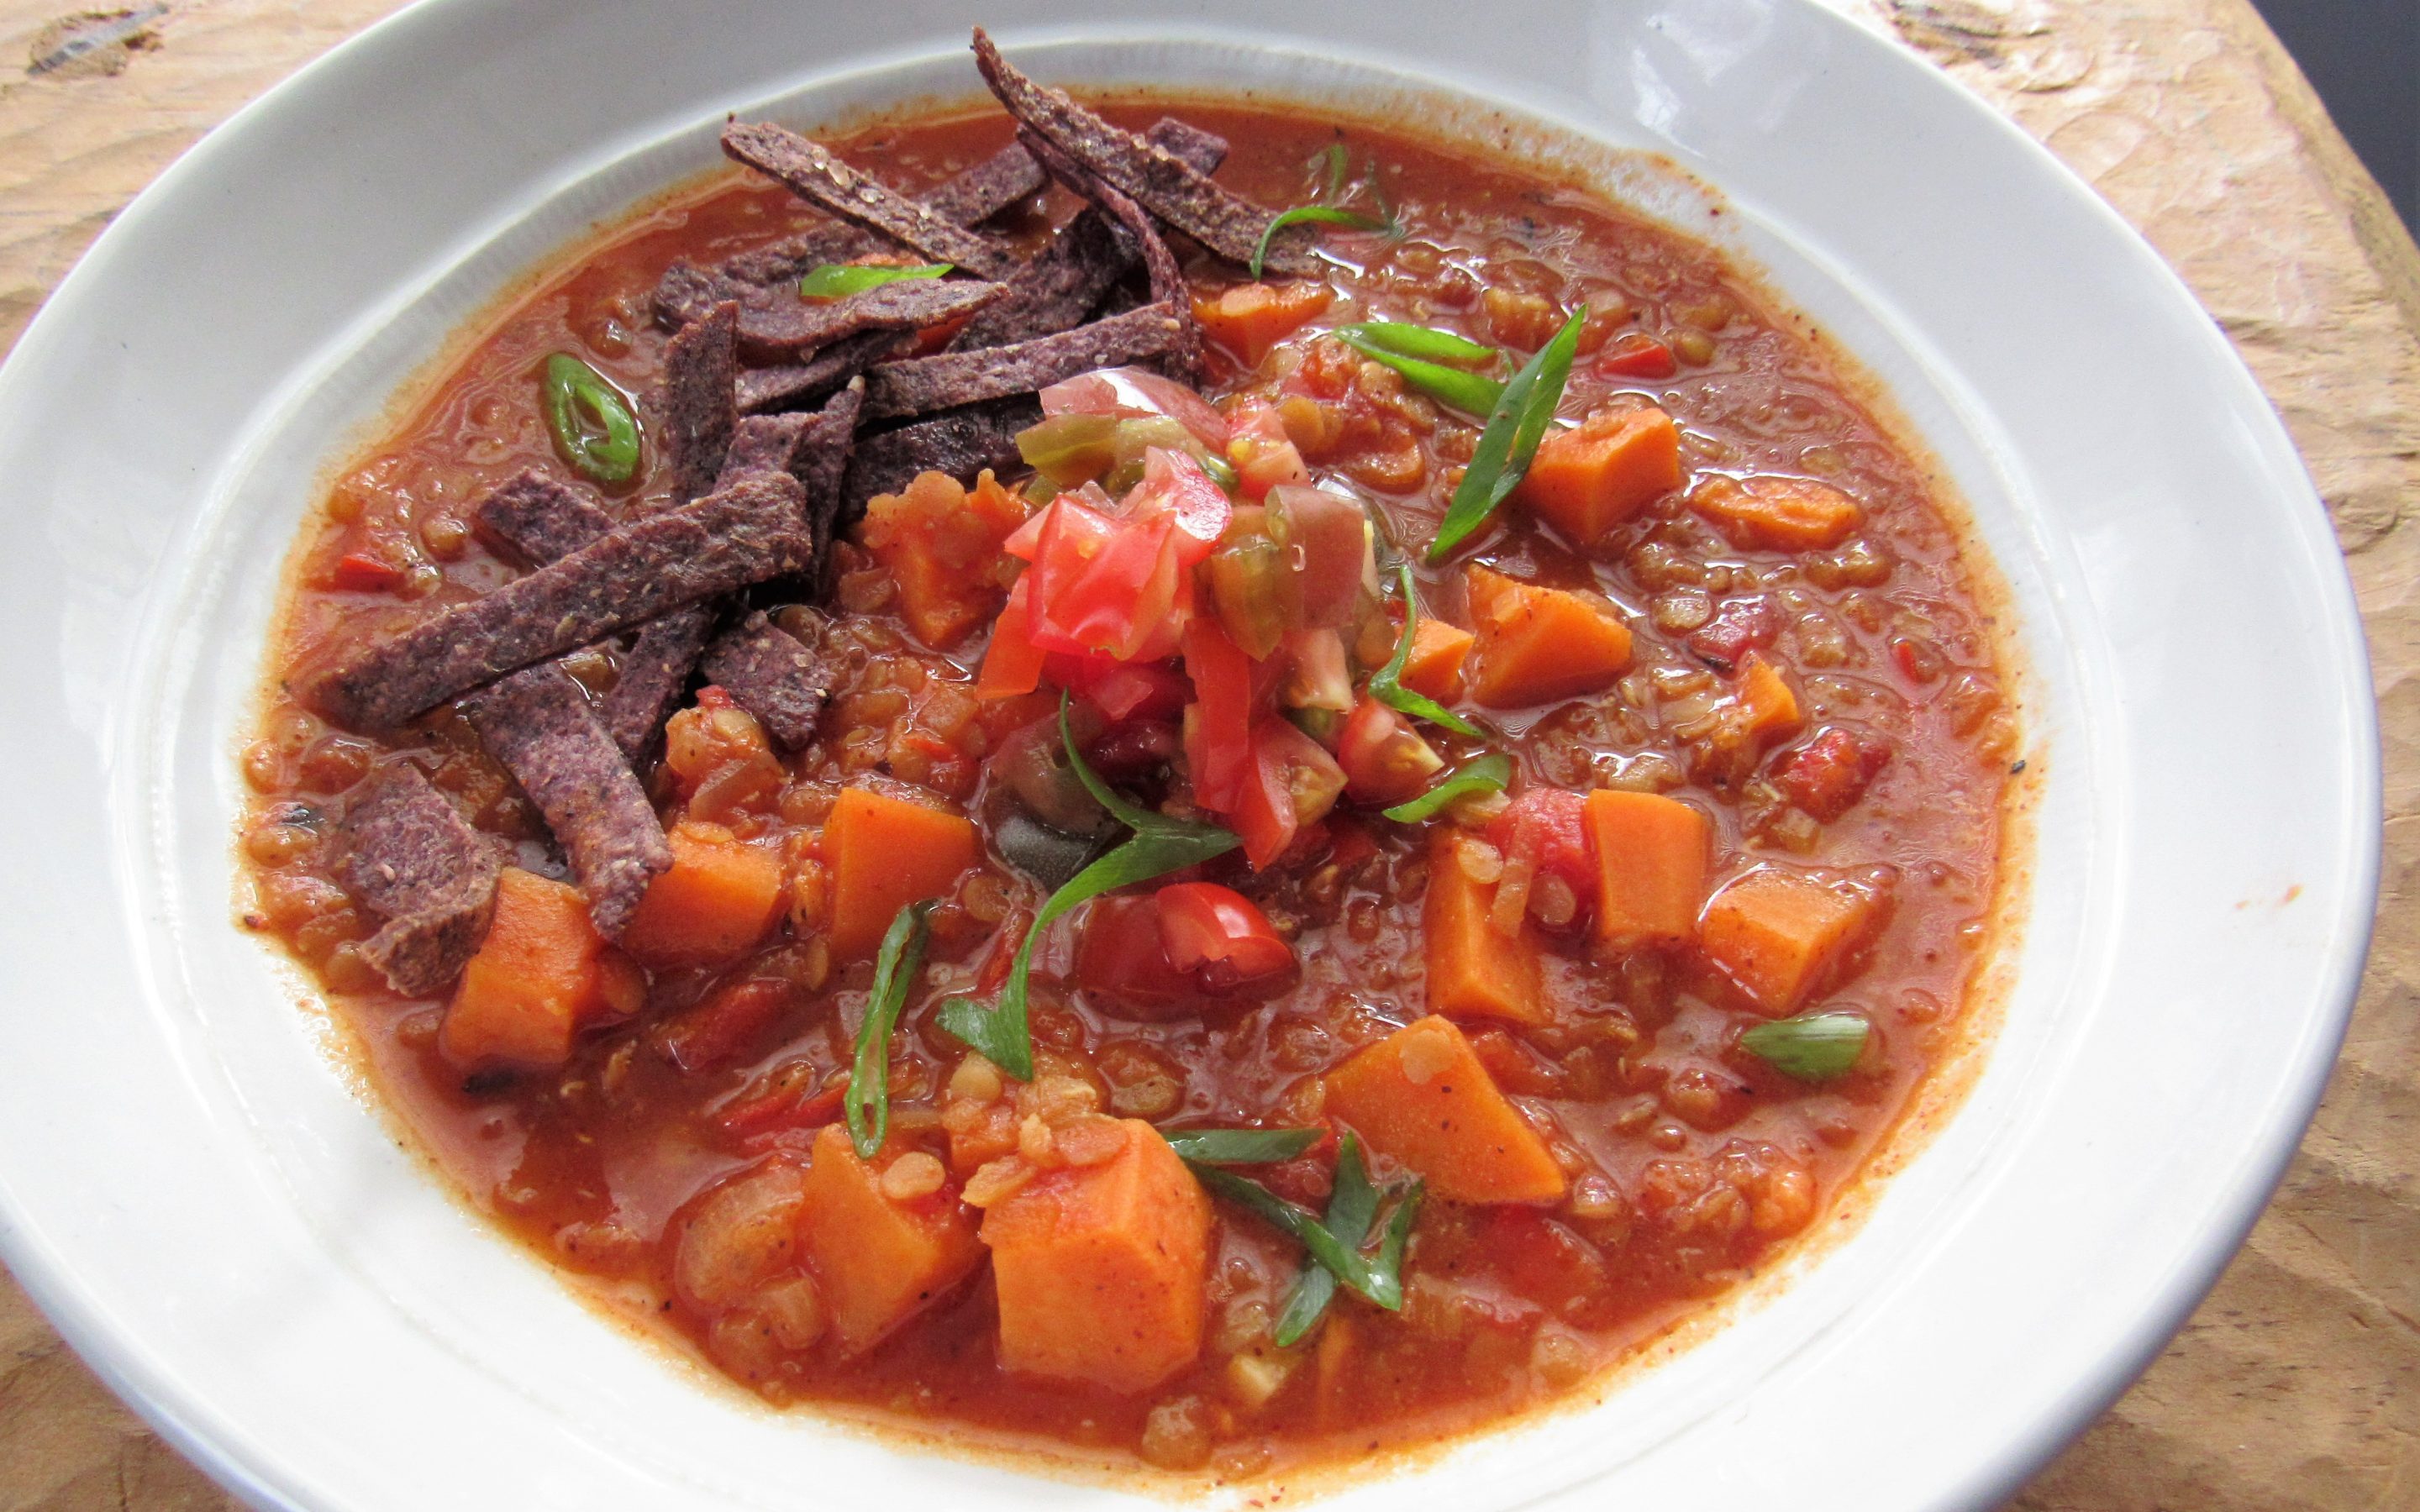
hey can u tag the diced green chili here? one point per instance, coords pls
(895, 965)
(596, 429)
(1514, 427)
(836, 280)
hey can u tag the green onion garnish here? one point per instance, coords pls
(1332, 158)
(1241, 1147)
(1470, 393)
(837, 281)
(1514, 427)
(1378, 1279)
(902, 956)
(1425, 342)
(1386, 684)
(1481, 774)
(1324, 214)
(1813, 1048)
(1352, 1208)
(1159, 847)
(594, 426)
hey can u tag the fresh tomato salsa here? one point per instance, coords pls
(1185, 783)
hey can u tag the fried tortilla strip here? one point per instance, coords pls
(1159, 180)
(924, 384)
(409, 859)
(537, 518)
(1184, 359)
(813, 173)
(697, 409)
(960, 442)
(770, 672)
(1003, 180)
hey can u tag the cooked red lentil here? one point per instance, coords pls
(1536, 1071)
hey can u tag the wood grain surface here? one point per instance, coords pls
(2297, 1384)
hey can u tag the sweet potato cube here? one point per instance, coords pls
(886, 853)
(1422, 1096)
(1101, 1269)
(1434, 669)
(1537, 644)
(1780, 513)
(1251, 319)
(1777, 935)
(1589, 479)
(1772, 707)
(1651, 854)
(1475, 970)
(940, 542)
(720, 898)
(535, 977)
(879, 1261)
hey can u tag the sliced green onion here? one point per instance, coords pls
(1386, 684)
(1159, 847)
(1322, 214)
(1481, 773)
(1514, 427)
(1813, 1048)
(1418, 341)
(1241, 1147)
(1332, 156)
(837, 281)
(902, 956)
(1470, 393)
(1352, 1208)
(1379, 1280)
(594, 427)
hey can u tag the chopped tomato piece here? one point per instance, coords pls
(363, 572)
(722, 1028)
(1219, 934)
(1218, 726)
(1326, 542)
(1131, 392)
(1830, 773)
(1120, 956)
(1263, 456)
(1739, 627)
(1294, 783)
(1384, 761)
(1174, 485)
(1123, 689)
(1548, 828)
(1012, 663)
(1636, 354)
(1101, 586)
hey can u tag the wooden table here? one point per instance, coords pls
(2297, 1385)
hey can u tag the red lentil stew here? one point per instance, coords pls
(1223, 821)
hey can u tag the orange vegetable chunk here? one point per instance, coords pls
(541, 971)
(720, 898)
(1422, 1096)
(1589, 479)
(1650, 864)
(1535, 645)
(1475, 970)
(940, 542)
(1772, 707)
(1101, 1269)
(1434, 669)
(1785, 514)
(1251, 319)
(879, 1261)
(1776, 934)
(886, 853)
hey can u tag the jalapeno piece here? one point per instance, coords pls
(595, 428)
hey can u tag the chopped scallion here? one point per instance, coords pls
(1813, 1048)
(1378, 1279)
(895, 965)
(1241, 1147)
(1419, 341)
(1324, 215)
(1386, 684)
(1482, 773)
(1352, 1208)
(1514, 427)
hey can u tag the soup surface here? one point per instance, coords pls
(1539, 1069)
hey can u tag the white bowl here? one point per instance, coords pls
(219, 1223)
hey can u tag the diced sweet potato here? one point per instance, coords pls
(1766, 694)
(540, 973)
(1779, 513)
(1251, 319)
(1101, 1269)
(941, 543)
(884, 854)
(1587, 480)
(1422, 1096)
(1779, 934)
(716, 902)
(1434, 669)
(1651, 854)
(1475, 970)
(1536, 645)
(878, 1260)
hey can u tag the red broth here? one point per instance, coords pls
(1690, 1163)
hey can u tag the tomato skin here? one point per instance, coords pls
(1120, 962)
(1295, 782)
(1219, 934)
(1327, 539)
(363, 572)
(1549, 828)
(1175, 485)
(1218, 726)
(1131, 392)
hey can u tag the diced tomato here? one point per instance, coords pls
(1318, 674)
(1294, 784)
(1830, 773)
(1218, 726)
(1740, 627)
(1636, 355)
(1327, 539)
(363, 572)
(1384, 761)
(1102, 586)
(1548, 828)
(791, 1109)
(1220, 935)
(1263, 456)
(1174, 485)
(1129, 391)
(1119, 956)
(726, 1025)
(1012, 663)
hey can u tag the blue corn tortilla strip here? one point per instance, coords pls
(1067, 280)
(780, 331)
(764, 389)
(536, 518)
(1159, 180)
(999, 182)
(651, 676)
(949, 379)
(1182, 358)
(538, 723)
(756, 530)
(811, 172)
(420, 867)
(772, 675)
(697, 409)
(960, 442)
